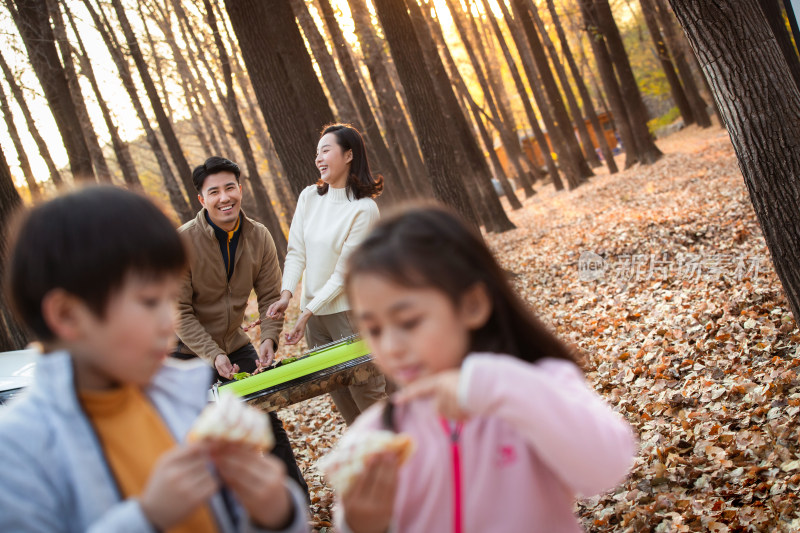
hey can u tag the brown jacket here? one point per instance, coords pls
(211, 308)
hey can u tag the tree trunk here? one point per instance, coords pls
(397, 125)
(291, 99)
(426, 113)
(33, 23)
(24, 163)
(675, 87)
(761, 107)
(260, 195)
(178, 157)
(588, 106)
(87, 128)
(340, 96)
(12, 336)
(577, 117)
(124, 159)
(179, 204)
(675, 43)
(774, 15)
(397, 176)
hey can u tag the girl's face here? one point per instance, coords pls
(413, 332)
(333, 161)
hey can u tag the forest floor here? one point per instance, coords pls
(660, 276)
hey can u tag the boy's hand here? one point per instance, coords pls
(224, 366)
(180, 482)
(369, 503)
(442, 387)
(266, 354)
(258, 482)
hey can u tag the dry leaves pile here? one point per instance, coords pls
(660, 277)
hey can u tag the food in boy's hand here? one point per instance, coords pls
(231, 420)
(344, 464)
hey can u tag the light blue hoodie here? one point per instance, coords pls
(54, 475)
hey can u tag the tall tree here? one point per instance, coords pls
(44, 152)
(22, 157)
(583, 91)
(121, 149)
(260, 195)
(33, 24)
(675, 87)
(176, 198)
(426, 113)
(761, 106)
(291, 99)
(164, 124)
(87, 128)
(12, 336)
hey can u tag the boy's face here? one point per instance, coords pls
(222, 197)
(128, 344)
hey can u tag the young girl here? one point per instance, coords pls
(507, 432)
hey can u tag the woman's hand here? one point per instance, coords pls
(294, 336)
(442, 387)
(276, 310)
(369, 503)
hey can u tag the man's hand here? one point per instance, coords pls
(299, 329)
(266, 354)
(369, 502)
(258, 481)
(224, 366)
(180, 482)
(276, 310)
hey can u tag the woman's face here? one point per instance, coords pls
(333, 161)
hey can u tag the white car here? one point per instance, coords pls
(16, 372)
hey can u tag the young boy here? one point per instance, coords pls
(97, 443)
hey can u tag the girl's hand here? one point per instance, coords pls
(294, 336)
(275, 311)
(369, 503)
(442, 387)
(258, 482)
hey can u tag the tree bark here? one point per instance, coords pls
(33, 23)
(12, 336)
(174, 146)
(583, 91)
(675, 87)
(260, 195)
(178, 202)
(22, 157)
(291, 99)
(761, 106)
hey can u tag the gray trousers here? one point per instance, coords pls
(352, 400)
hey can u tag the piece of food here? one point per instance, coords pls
(241, 375)
(231, 420)
(345, 463)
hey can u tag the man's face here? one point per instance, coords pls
(221, 195)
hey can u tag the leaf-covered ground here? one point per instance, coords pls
(660, 277)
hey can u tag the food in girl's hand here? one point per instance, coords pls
(344, 464)
(231, 420)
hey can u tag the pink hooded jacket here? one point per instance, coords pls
(538, 436)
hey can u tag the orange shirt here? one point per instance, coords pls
(133, 437)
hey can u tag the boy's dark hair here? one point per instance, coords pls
(213, 165)
(360, 183)
(86, 242)
(430, 246)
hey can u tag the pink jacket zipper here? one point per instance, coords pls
(455, 452)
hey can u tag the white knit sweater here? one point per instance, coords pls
(325, 229)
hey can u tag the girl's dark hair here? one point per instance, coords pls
(430, 246)
(86, 242)
(360, 183)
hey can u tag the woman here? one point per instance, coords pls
(332, 218)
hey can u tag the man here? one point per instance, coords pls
(230, 256)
